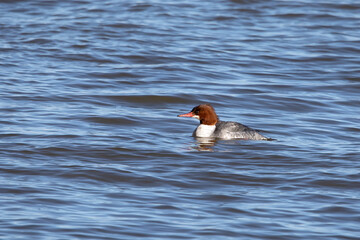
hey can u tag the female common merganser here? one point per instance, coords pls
(211, 126)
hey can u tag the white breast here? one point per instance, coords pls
(204, 130)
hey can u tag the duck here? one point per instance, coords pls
(211, 127)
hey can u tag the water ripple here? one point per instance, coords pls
(91, 147)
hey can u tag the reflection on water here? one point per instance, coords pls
(205, 144)
(208, 144)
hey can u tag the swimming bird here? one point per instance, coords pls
(211, 127)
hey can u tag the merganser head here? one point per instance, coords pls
(204, 112)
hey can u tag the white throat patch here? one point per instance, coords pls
(204, 130)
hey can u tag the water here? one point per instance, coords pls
(91, 147)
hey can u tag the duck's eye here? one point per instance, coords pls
(196, 112)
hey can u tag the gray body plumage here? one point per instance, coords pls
(230, 130)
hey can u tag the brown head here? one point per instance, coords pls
(205, 113)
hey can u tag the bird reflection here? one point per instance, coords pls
(205, 144)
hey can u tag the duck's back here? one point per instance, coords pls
(229, 130)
